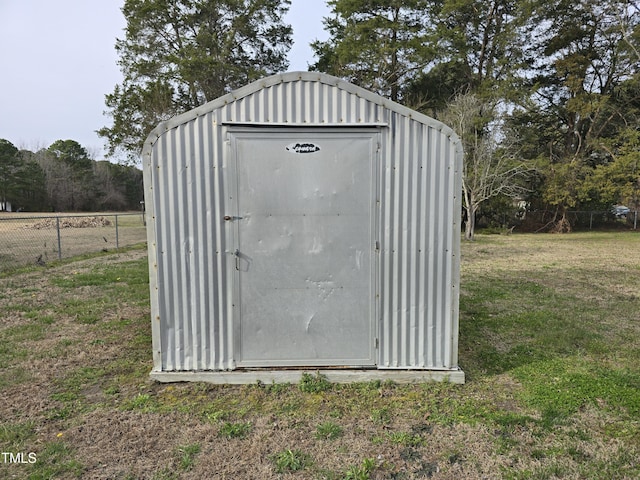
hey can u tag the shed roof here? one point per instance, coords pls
(297, 77)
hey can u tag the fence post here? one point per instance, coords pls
(59, 241)
(117, 237)
(635, 220)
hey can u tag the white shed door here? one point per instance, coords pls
(304, 238)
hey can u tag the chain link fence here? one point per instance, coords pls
(545, 221)
(37, 240)
(608, 219)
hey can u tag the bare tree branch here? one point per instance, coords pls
(492, 164)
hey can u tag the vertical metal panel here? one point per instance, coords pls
(185, 201)
(419, 227)
(187, 193)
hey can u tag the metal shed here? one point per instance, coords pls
(303, 223)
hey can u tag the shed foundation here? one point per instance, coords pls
(243, 377)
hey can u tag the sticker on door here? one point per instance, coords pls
(300, 147)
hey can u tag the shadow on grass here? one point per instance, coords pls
(507, 323)
(555, 345)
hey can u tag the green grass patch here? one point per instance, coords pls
(55, 460)
(11, 271)
(561, 387)
(143, 402)
(108, 276)
(510, 323)
(362, 471)
(187, 455)
(84, 311)
(14, 436)
(29, 332)
(328, 431)
(407, 439)
(14, 376)
(291, 461)
(314, 383)
(70, 390)
(235, 430)
(381, 416)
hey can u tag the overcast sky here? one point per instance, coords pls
(57, 62)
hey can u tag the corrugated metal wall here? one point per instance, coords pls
(420, 240)
(187, 195)
(190, 249)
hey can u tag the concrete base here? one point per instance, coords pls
(266, 376)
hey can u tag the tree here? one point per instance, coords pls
(377, 44)
(75, 175)
(491, 165)
(57, 177)
(62, 177)
(21, 179)
(433, 90)
(179, 54)
(478, 47)
(617, 181)
(119, 186)
(583, 57)
(30, 185)
(10, 165)
(72, 153)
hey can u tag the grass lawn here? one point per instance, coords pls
(550, 344)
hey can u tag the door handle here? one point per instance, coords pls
(229, 218)
(236, 254)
